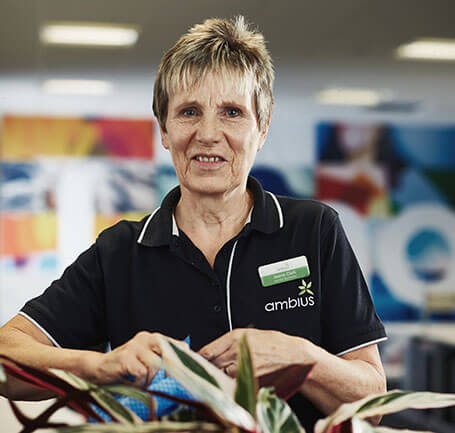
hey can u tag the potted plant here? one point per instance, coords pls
(218, 403)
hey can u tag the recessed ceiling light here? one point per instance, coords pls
(347, 96)
(77, 87)
(86, 34)
(428, 49)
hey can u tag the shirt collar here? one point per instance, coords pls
(159, 227)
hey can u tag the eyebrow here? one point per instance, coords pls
(197, 104)
(186, 104)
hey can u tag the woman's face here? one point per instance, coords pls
(213, 136)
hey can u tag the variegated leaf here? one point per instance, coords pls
(104, 399)
(287, 380)
(221, 401)
(129, 391)
(361, 426)
(116, 410)
(193, 365)
(274, 415)
(72, 379)
(246, 383)
(382, 404)
(222, 380)
(148, 427)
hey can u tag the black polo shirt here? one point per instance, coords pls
(148, 275)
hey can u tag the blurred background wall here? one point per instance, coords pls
(354, 124)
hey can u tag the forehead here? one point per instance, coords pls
(214, 87)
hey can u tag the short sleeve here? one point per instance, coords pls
(349, 319)
(72, 310)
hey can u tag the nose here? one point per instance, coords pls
(208, 130)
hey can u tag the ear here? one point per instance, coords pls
(264, 135)
(163, 135)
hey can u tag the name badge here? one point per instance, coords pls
(286, 270)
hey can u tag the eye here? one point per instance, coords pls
(189, 112)
(233, 112)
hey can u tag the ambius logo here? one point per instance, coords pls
(291, 303)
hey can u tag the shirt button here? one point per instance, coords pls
(217, 308)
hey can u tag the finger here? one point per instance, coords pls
(153, 342)
(226, 358)
(217, 347)
(135, 374)
(151, 361)
(231, 369)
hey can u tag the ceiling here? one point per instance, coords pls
(314, 44)
(297, 31)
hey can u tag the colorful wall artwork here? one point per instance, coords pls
(399, 180)
(26, 138)
(36, 152)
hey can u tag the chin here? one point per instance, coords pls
(208, 186)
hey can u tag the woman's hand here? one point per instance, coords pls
(134, 363)
(271, 351)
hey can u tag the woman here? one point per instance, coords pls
(219, 256)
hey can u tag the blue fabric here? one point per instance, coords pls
(163, 406)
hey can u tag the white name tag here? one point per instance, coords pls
(285, 270)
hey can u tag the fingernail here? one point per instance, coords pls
(129, 377)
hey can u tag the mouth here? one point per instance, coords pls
(206, 162)
(208, 158)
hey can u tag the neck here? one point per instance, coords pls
(220, 215)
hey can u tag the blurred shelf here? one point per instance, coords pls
(417, 420)
(394, 372)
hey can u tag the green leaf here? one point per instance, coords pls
(246, 384)
(309, 291)
(129, 391)
(309, 286)
(193, 365)
(147, 427)
(274, 415)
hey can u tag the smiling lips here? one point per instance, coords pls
(208, 158)
(209, 161)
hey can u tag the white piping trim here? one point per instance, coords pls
(278, 208)
(248, 219)
(361, 345)
(141, 236)
(40, 328)
(175, 229)
(228, 286)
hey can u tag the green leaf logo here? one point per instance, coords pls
(305, 288)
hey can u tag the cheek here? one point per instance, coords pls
(250, 146)
(177, 142)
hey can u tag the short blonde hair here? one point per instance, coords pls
(227, 47)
